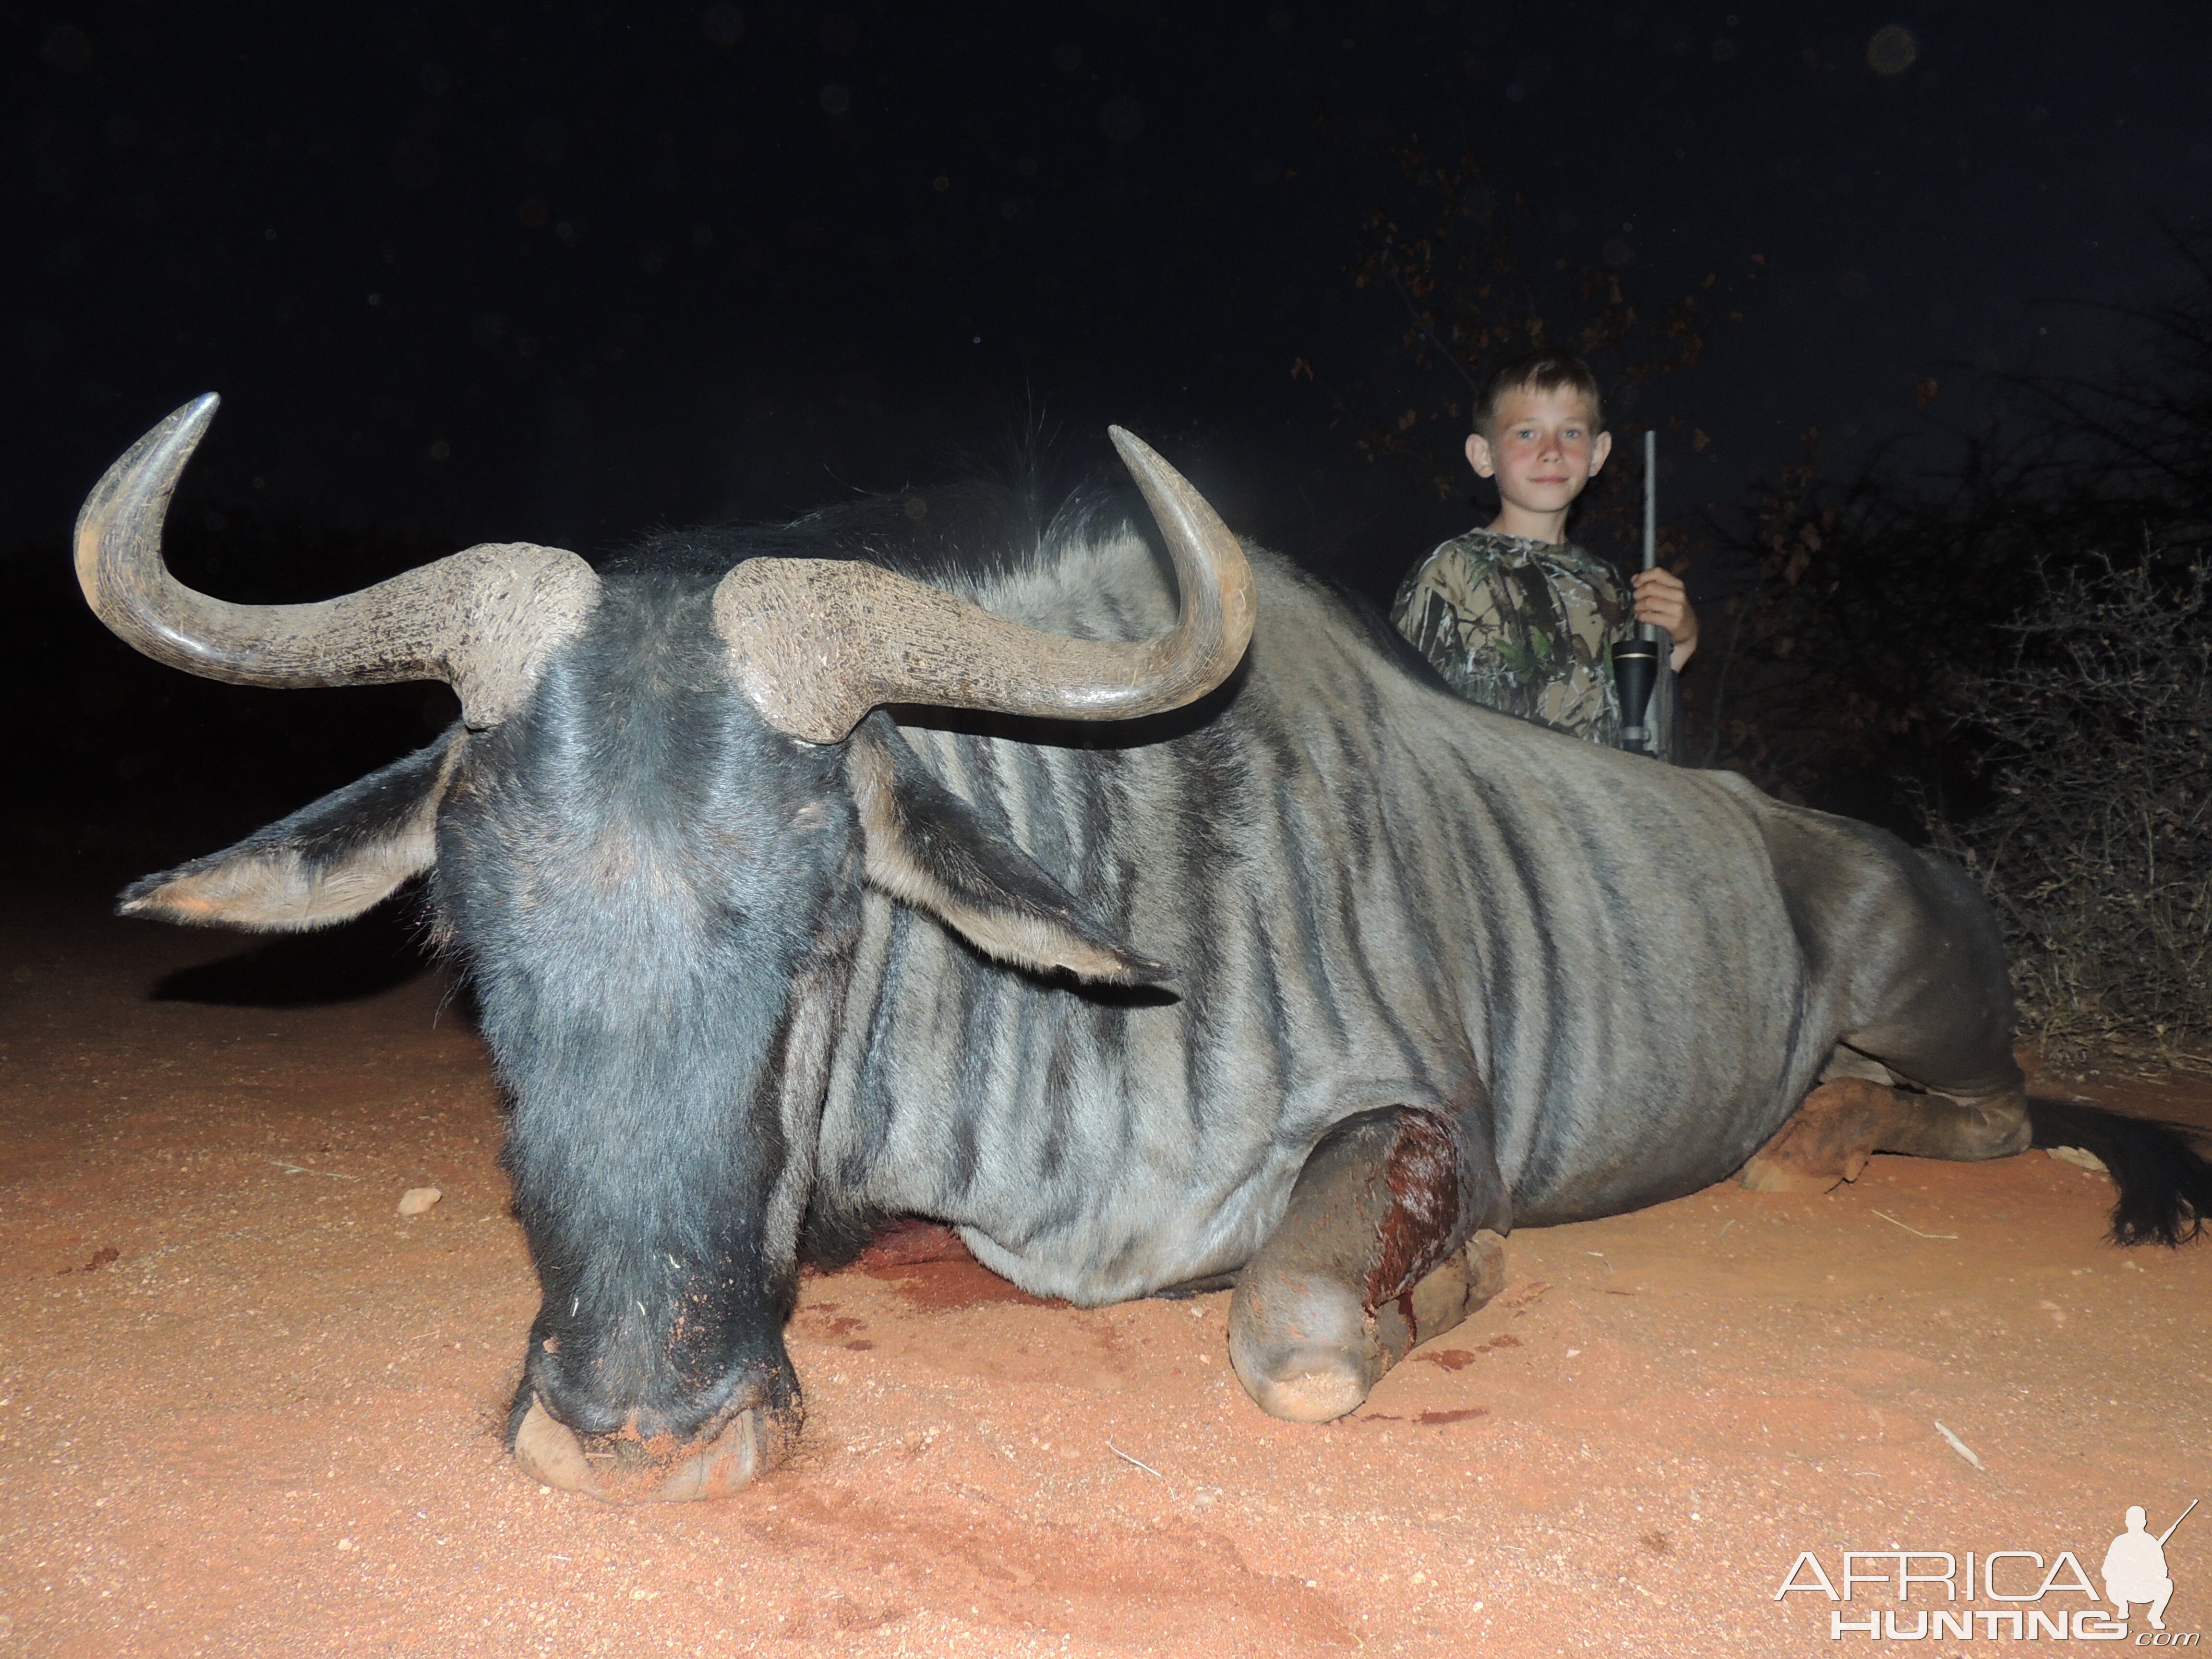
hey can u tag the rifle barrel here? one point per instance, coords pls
(2177, 1520)
(1650, 630)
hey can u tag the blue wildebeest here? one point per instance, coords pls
(810, 875)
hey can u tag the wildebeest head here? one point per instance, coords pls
(648, 840)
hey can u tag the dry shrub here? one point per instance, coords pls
(2098, 852)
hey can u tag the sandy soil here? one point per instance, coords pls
(246, 1408)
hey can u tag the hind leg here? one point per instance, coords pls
(1388, 1241)
(1848, 1118)
(1945, 1025)
(1917, 965)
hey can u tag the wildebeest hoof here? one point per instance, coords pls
(1304, 1348)
(622, 1468)
(1767, 1174)
(1459, 1287)
(1307, 1351)
(1827, 1141)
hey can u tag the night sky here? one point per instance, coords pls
(562, 273)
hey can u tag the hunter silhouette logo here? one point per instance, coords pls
(2031, 1595)
(2134, 1566)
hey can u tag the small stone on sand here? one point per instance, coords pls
(2080, 1156)
(417, 1200)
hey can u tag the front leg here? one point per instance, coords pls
(1392, 1236)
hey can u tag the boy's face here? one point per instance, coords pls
(1540, 448)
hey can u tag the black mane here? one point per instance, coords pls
(973, 529)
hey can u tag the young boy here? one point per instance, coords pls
(1516, 617)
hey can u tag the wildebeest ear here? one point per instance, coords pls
(926, 846)
(324, 864)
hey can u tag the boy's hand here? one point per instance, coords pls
(1660, 598)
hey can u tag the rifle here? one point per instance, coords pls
(1635, 661)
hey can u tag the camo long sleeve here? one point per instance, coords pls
(1526, 627)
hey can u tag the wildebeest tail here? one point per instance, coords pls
(2165, 1184)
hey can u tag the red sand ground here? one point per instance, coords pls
(246, 1408)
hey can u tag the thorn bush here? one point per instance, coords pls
(2098, 850)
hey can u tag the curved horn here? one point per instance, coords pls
(817, 643)
(482, 620)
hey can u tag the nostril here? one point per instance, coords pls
(624, 1469)
(597, 1401)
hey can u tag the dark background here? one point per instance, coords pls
(563, 273)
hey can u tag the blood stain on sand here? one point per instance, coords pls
(931, 1268)
(941, 1286)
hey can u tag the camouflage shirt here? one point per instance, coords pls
(1527, 628)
